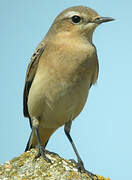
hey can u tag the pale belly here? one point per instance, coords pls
(67, 107)
(54, 104)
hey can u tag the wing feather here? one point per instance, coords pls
(31, 71)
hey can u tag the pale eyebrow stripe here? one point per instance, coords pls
(71, 13)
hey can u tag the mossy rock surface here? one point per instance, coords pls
(26, 167)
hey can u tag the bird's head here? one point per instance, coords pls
(78, 21)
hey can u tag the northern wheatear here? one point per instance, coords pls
(62, 69)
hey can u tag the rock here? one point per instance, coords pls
(25, 167)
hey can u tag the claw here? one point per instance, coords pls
(51, 153)
(42, 153)
(81, 169)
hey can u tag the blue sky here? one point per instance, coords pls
(103, 131)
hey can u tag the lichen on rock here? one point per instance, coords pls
(25, 167)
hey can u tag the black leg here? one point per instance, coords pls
(35, 127)
(79, 164)
(67, 129)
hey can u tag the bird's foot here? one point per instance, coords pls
(51, 153)
(81, 169)
(42, 153)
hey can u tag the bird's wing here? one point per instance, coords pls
(96, 71)
(31, 71)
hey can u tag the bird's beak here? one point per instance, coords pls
(100, 20)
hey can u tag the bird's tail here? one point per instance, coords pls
(44, 133)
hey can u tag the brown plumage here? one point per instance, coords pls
(60, 74)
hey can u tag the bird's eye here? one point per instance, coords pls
(76, 19)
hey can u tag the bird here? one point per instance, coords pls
(59, 76)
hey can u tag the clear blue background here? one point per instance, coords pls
(103, 131)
